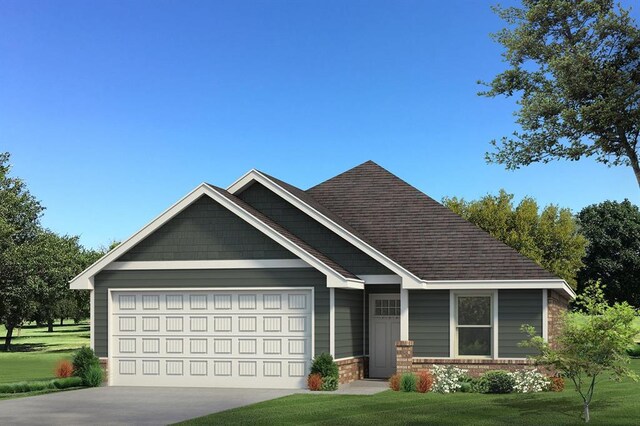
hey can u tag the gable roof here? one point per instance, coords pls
(313, 257)
(419, 233)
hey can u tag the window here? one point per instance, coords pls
(387, 307)
(474, 325)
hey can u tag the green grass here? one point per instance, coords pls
(613, 404)
(35, 352)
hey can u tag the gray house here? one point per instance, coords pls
(242, 287)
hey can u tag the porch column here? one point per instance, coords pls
(404, 356)
(404, 314)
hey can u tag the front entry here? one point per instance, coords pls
(384, 331)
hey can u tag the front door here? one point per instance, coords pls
(384, 331)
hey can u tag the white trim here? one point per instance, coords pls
(381, 279)
(332, 322)
(545, 315)
(109, 331)
(452, 324)
(347, 358)
(92, 315)
(255, 175)
(499, 285)
(404, 314)
(82, 281)
(495, 313)
(206, 264)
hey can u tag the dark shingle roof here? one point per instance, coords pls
(416, 231)
(285, 233)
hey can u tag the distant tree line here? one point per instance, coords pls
(36, 264)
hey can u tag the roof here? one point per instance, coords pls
(416, 231)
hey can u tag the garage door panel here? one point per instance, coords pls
(213, 338)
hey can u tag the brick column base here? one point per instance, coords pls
(404, 356)
(104, 363)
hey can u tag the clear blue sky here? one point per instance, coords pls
(114, 110)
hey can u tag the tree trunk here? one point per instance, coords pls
(585, 413)
(631, 154)
(50, 326)
(7, 339)
(61, 322)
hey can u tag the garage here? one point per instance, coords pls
(259, 338)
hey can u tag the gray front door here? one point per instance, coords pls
(384, 331)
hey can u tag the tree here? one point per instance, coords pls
(613, 254)
(550, 238)
(19, 223)
(590, 344)
(574, 66)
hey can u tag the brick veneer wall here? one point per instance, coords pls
(353, 369)
(557, 304)
(475, 367)
(404, 356)
(104, 363)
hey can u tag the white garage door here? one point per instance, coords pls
(211, 338)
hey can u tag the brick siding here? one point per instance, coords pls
(353, 369)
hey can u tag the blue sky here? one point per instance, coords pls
(114, 110)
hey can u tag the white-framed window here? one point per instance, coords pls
(474, 325)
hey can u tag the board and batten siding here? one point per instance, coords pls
(429, 322)
(311, 231)
(515, 308)
(349, 323)
(218, 278)
(206, 231)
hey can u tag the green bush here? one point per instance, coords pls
(634, 351)
(93, 377)
(324, 365)
(498, 382)
(83, 360)
(408, 382)
(479, 385)
(22, 387)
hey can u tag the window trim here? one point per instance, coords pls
(453, 305)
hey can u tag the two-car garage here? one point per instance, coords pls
(211, 337)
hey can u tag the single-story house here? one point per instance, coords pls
(242, 287)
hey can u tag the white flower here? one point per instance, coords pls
(446, 378)
(527, 381)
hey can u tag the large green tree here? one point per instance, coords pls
(574, 67)
(549, 237)
(19, 226)
(613, 254)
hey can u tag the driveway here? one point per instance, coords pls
(128, 405)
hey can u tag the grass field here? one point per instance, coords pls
(35, 352)
(613, 404)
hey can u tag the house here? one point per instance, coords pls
(242, 287)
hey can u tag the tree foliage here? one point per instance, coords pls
(590, 344)
(613, 254)
(574, 66)
(549, 237)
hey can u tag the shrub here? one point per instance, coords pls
(499, 381)
(329, 383)
(93, 377)
(634, 351)
(408, 382)
(22, 387)
(556, 384)
(479, 385)
(324, 365)
(64, 369)
(425, 381)
(83, 360)
(394, 382)
(446, 378)
(314, 382)
(527, 381)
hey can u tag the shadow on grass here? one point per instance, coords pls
(24, 347)
(568, 407)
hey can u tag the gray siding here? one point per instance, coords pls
(311, 231)
(517, 307)
(429, 322)
(213, 278)
(349, 313)
(206, 231)
(375, 288)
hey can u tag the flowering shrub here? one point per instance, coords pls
(556, 384)
(447, 378)
(425, 381)
(527, 381)
(64, 369)
(314, 382)
(394, 382)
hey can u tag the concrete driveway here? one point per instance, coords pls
(128, 405)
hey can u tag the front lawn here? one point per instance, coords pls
(35, 352)
(613, 404)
